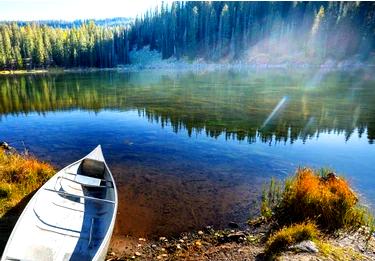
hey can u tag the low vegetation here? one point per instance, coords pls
(320, 196)
(291, 235)
(19, 176)
(307, 203)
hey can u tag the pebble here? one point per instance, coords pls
(305, 246)
(178, 246)
(181, 241)
(139, 245)
(233, 225)
(133, 257)
(137, 254)
(164, 255)
(142, 239)
(185, 238)
(162, 249)
(198, 243)
(153, 246)
(162, 238)
(200, 232)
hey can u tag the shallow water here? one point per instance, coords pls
(190, 149)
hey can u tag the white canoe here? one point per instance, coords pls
(71, 217)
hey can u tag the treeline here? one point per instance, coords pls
(298, 31)
(116, 21)
(215, 30)
(40, 46)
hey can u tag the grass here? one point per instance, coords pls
(338, 253)
(19, 176)
(309, 204)
(320, 196)
(288, 236)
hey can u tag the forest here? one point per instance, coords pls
(213, 31)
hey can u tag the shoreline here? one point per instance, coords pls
(179, 65)
(237, 244)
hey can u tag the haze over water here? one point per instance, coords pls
(190, 149)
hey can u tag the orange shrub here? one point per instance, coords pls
(19, 176)
(325, 198)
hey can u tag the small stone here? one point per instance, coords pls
(142, 239)
(137, 254)
(305, 246)
(237, 236)
(139, 245)
(162, 249)
(159, 257)
(361, 248)
(185, 238)
(5, 145)
(153, 246)
(164, 255)
(162, 238)
(200, 232)
(181, 241)
(198, 243)
(233, 225)
(178, 246)
(133, 257)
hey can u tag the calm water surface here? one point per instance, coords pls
(190, 149)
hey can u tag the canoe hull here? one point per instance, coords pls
(65, 220)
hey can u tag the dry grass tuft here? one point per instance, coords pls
(19, 176)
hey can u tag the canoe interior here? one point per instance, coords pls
(65, 220)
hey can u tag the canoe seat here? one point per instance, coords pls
(92, 168)
(87, 180)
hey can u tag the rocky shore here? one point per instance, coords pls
(236, 244)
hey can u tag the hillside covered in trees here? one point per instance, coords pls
(250, 32)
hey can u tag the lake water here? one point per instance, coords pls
(190, 149)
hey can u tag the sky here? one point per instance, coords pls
(27, 10)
